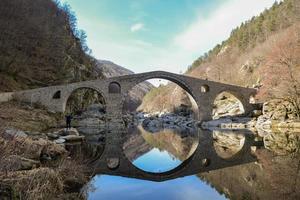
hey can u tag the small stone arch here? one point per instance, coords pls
(57, 95)
(114, 88)
(66, 97)
(204, 88)
(222, 95)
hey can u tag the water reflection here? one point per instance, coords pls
(214, 164)
(159, 151)
(187, 188)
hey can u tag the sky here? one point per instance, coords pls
(186, 188)
(148, 35)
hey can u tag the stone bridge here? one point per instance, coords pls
(113, 161)
(115, 89)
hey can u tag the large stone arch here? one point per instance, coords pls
(177, 79)
(204, 159)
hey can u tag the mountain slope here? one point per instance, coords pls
(133, 100)
(263, 52)
(40, 45)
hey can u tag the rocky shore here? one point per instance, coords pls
(35, 166)
(35, 162)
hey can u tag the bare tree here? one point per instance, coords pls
(284, 59)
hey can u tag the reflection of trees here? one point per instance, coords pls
(274, 177)
(177, 144)
(139, 142)
(135, 145)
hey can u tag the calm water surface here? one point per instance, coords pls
(187, 188)
(266, 176)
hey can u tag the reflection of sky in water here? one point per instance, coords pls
(156, 161)
(187, 188)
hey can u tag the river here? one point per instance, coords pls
(238, 165)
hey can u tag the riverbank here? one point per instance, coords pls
(33, 152)
(32, 163)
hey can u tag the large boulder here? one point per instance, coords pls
(11, 133)
(279, 109)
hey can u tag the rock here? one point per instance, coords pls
(279, 109)
(59, 141)
(52, 136)
(11, 133)
(65, 132)
(72, 131)
(62, 132)
(16, 163)
(71, 138)
(227, 105)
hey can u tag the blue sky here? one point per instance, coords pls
(147, 35)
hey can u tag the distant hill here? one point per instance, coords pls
(109, 69)
(263, 52)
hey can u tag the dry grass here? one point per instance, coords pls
(60, 179)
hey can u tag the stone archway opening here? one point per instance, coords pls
(87, 106)
(84, 99)
(159, 96)
(227, 105)
(162, 125)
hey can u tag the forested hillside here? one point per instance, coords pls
(263, 52)
(40, 45)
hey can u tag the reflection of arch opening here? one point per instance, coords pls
(204, 88)
(114, 88)
(57, 95)
(227, 104)
(228, 144)
(173, 84)
(84, 98)
(154, 101)
(172, 147)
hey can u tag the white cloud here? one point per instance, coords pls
(206, 32)
(203, 34)
(137, 27)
